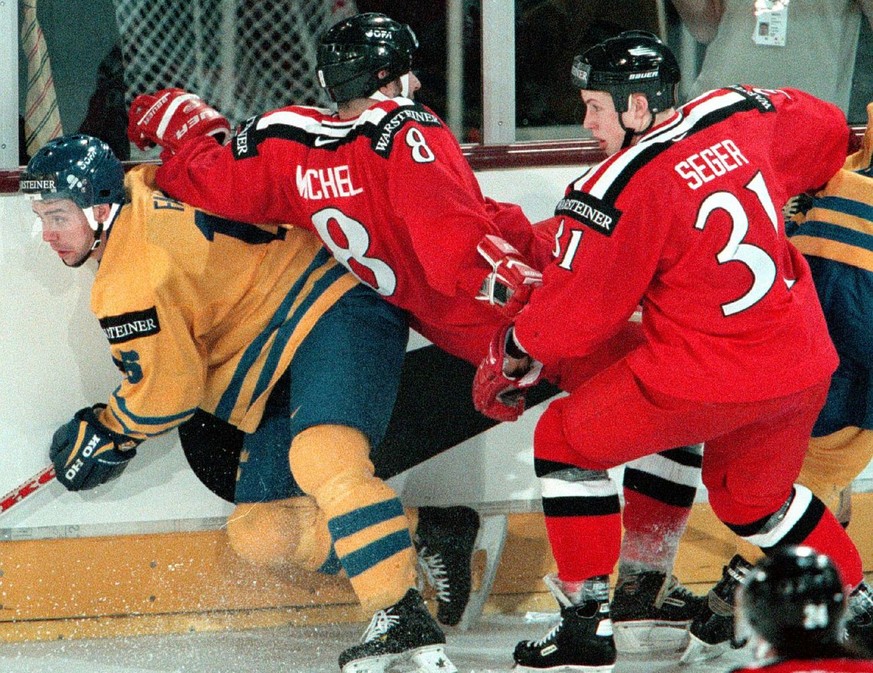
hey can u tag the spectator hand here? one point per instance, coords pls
(511, 280)
(86, 453)
(498, 393)
(170, 117)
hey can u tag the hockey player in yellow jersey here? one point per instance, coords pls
(263, 329)
(836, 236)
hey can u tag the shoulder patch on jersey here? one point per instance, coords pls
(128, 326)
(384, 133)
(244, 143)
(590, 211)
(757, 97)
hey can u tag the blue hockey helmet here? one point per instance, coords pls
(76, 167)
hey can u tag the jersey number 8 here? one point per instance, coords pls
(352, 253)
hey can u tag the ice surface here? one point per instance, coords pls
(487, 648)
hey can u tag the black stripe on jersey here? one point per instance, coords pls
(582, 506)
(210, 224)
(757, 98)
(245, 143)
(658, 488)
(133, 325)
(381, 133)
(655, 145)
(382, 136)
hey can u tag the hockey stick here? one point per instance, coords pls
(20, 492)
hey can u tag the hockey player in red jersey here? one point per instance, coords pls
(792, 607)
(384, 184)
(685, 221)
(210, 318)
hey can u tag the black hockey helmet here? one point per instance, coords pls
(794, 599)
(634, 61)
(353, 52)
(77, 167)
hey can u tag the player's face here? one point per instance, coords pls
(65, 228)
(602, 120)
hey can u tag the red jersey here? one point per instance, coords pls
(389, 193)
(687, 223)
(812, 666)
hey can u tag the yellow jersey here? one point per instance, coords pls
(202, 311)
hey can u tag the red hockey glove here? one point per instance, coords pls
(170, 117)
(511, 280)
(497, 394)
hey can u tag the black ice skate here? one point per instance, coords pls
(446, 540)
(711, 633)
(400, 634)
(859, 626)
(581, 641)
(651, 612)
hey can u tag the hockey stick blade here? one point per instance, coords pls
(30, 486)
(491, 538)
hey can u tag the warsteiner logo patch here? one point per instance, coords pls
(758, 97)
(383, 139)
(590, 211)
(244, 142)
(121, 328)
(30, 183)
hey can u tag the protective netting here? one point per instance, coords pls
(242, 56)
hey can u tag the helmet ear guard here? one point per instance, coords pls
(353, 52)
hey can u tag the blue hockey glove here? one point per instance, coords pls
(86, 453)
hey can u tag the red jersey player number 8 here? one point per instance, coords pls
(374, 272)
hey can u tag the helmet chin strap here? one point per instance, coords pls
(404, 89)
(404, 85)
(630, 133)
(98, 227)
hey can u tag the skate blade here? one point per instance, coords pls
(430, 659)
(490, 539)
(647, 637)
(698, 651)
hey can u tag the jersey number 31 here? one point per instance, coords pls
(759, 263)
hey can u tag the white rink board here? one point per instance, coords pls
(55, 360)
